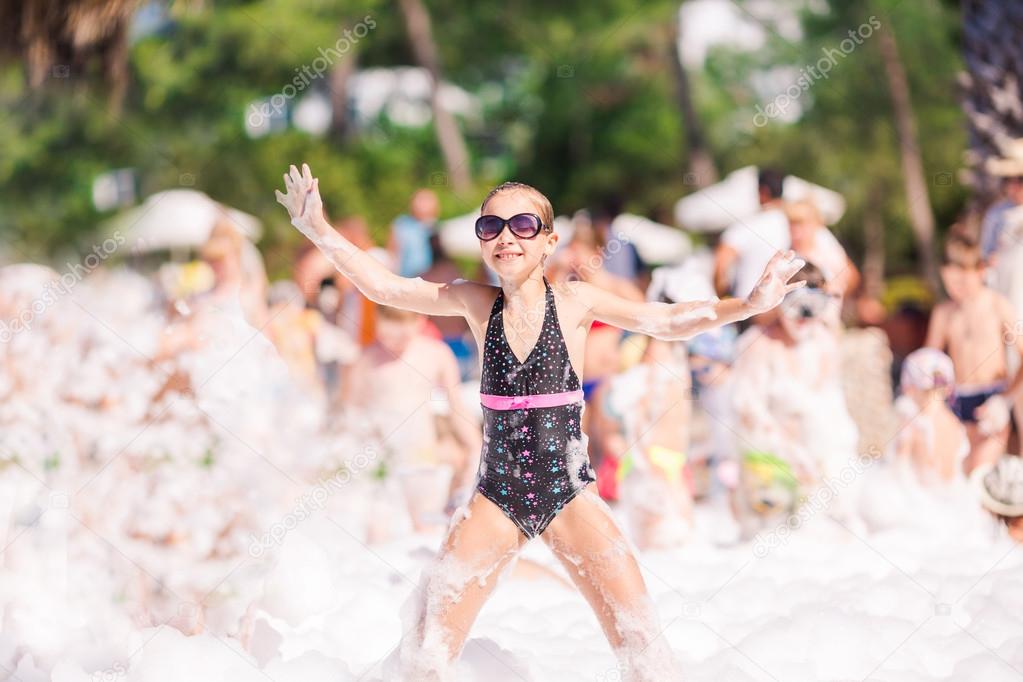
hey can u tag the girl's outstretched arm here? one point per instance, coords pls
(372, 278)
(678, 321)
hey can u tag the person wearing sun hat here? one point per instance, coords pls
(999, 486)
(1010, 169)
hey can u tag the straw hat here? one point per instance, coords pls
(1011, 164)
(1000, 485)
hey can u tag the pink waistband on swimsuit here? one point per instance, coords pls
(520, 402)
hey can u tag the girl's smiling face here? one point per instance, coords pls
(512, 257)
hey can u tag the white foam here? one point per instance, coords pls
(676, 320)
(114, 520)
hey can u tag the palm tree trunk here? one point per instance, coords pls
(340, 77)
(115, 65)
(701, 171)
(918, 201)
(452, 145)
(873, 238)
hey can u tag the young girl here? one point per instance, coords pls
(534, 475)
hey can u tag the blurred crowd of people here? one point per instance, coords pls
(751, 419)
(151, 402)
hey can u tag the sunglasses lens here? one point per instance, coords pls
(524, 225)
(488, 227)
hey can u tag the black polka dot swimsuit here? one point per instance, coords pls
(534, 458)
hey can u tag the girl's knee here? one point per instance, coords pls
(450, 576)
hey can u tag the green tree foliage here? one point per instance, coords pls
(845, 138)
(578, 99)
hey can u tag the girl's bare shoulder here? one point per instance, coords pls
(574, 301)
(478, 297)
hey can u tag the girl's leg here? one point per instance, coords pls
(590, 545)
(479, 546)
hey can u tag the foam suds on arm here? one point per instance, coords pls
(676, 321)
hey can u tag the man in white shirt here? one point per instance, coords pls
(749, 244)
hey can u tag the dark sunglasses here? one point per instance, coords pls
(522, 225)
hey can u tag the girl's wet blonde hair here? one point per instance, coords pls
(540, 201)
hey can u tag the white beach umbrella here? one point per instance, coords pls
(178, 218)
(714, 208)
(457, 237)
(690, 280)
(656, 244)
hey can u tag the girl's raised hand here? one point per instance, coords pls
(774, 283)
(303, 201)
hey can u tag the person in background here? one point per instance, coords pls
(710, 361)
(711, 424)
(747, 246)
(239, 282)
(1002, 243)
(398, 378)
(356, 314)
(647, 410)
(999, 486)
(454, 331)
(410, 234)
(581, 261)
(975, 325)
(792, 423)
(1010, 170)
(620, 257)
(812, 240)
(930, 437)
(292, 329)
(313, 274)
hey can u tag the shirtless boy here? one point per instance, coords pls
(973, 327)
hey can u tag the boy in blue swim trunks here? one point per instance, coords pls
(974, 327)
